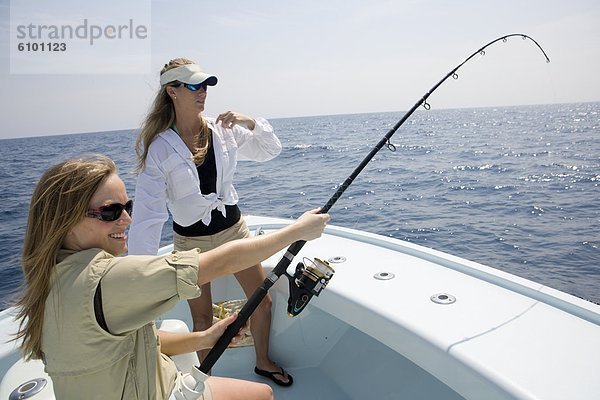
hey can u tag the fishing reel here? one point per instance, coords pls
(309, 279)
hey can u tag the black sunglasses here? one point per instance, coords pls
(111, 212)
(193, 88)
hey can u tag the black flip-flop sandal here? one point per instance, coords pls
(271, 376)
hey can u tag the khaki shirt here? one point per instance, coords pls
(86, 362)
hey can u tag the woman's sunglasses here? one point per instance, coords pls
(111, 212)
(191, 87)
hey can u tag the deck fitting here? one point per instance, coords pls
(443, 298)
(28, 389)
(384, 276)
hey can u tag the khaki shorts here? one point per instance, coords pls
(238, 231)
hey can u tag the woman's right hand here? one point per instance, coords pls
(312, 224)
(240, 254)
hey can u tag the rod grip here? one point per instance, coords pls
(232, 330)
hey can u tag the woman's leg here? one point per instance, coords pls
(260, 322)
(202, 315)
(236, 389)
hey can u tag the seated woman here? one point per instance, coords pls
(89, 314)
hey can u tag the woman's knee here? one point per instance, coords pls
(227, 388)
(266, 392)
(201, 318)
(266, 304)
(202, 313)
(202, 322)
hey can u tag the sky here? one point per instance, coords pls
(280, 59)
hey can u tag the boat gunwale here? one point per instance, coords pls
(563, 301)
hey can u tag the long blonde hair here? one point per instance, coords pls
(59, 202)
(161, 117)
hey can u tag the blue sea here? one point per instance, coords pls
(515, 188)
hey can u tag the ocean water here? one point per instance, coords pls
(515, 188)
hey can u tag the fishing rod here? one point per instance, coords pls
(303, 296)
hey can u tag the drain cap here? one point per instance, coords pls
(384, 276)
(443, 298)
(28, 389)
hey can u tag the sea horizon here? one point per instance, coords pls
(325, 115)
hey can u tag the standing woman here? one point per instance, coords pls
(89, 314)
(186, 164)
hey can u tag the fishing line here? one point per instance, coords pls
(294, 248)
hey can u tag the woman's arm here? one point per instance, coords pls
(138, 289)
(240, 254)
(255, 138)
(229, 119)
(149, 210)
(172, 343)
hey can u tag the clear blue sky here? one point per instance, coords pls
(289, 58)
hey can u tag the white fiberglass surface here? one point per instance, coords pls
(329, 359)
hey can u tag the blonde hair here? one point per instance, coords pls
(161, 117)
(59, 202)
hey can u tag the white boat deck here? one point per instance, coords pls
(503, 335)
(503, 338)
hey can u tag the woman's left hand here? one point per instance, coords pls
(230, 118)
(216, 331)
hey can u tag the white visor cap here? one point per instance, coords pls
(188, 73)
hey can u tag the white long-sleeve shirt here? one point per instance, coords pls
(169, 180)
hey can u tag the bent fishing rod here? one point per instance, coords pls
(303, 296)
